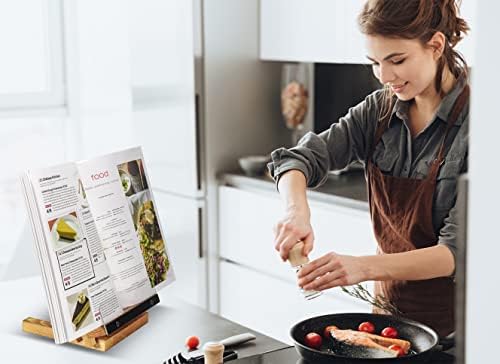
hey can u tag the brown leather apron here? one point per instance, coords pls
(401, 213)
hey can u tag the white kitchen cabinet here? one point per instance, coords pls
(324, 31)
(246, 219)
(271, 305)
(182, 239)
(305, 31)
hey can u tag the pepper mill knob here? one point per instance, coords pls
(295, 256)
(213, 353)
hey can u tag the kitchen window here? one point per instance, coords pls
(31, 66)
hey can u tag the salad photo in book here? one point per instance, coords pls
(145, 220)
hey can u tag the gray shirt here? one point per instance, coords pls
(397, 154)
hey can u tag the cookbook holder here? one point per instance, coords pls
(104, 337)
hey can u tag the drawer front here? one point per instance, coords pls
(272, 306)
(246, 219)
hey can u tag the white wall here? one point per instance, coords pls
(32, 113)
(483, 246)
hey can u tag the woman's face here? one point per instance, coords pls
(405, 65)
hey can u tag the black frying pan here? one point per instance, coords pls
(424, 340)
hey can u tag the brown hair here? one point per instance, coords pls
(418, 19)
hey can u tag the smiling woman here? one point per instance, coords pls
(425, 33)
(412, 137)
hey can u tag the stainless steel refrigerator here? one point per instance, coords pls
(202, 99)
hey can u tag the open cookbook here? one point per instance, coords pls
(98, 239)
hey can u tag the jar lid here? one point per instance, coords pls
(213, 347)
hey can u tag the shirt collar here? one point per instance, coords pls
(401, 107)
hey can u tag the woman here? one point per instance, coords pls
(412, 138)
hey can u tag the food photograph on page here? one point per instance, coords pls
(65, 230)
(145, 219)
(79, 309)
(132, 177)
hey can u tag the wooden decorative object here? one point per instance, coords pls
(95, 340)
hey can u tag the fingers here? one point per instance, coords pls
(287, 235)
(323, 273)
(284, 233)
(286, 246)
(327, 260)
(342, 281)
(308, 243)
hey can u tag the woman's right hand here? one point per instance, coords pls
(295, 226)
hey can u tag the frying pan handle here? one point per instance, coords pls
(447, 342)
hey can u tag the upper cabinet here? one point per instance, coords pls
(305, 31)
(324, 31)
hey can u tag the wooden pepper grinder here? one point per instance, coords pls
(297, 260)
(213, 353)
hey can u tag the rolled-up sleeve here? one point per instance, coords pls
(449, 231)
(344, 142)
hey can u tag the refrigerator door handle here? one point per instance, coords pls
(200, 232)
(198, 141)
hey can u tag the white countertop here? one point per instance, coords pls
(170, 322)
(25, 297)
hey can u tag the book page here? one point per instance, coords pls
(117, 189)
(86, 294)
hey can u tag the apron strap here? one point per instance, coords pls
(455, 112)
(381, 128)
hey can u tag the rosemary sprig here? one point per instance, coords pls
(360, 292)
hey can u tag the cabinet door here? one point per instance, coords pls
(246, 219)
(179, 219)
(325, 31)
(272, 306)
(322, 31)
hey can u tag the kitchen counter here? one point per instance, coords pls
(170, 322)
(348, 189)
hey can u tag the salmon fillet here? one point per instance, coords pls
(385, 341)
(363, 344)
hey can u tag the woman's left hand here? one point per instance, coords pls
(332, 270)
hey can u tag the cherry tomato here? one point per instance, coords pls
(389, 332)
(397, 348)
(367, 326)
(313, 340)
(326, 331)
(192, 342)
